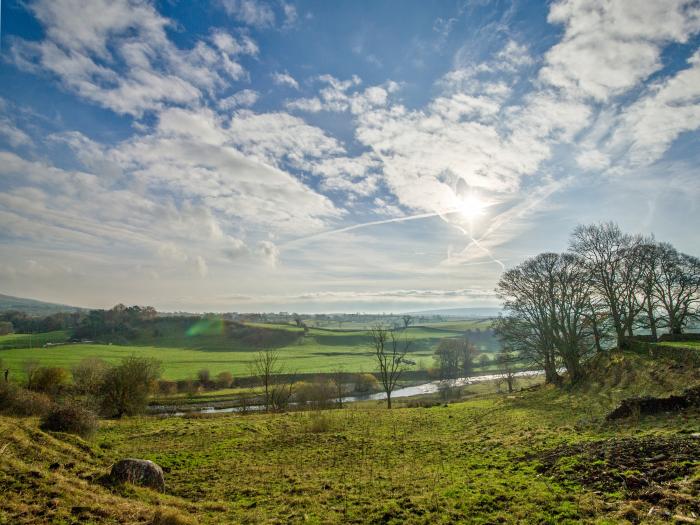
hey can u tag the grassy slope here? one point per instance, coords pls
(32, 340)
(475, 461)
(182, 355)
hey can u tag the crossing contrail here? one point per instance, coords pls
(364, 225)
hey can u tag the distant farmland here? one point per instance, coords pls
(184, 351)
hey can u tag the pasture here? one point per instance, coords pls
(541, 456)
(184, 352)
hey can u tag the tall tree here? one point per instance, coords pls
(527, 327)
(608, 255)
(677, 287)
(390, 352)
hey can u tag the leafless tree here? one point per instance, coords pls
(390, 351)
(338, 380)
(609, 255)
(407, 321)
(506, 368)
(677, 287)
(454, 357)
(649, 255)
(266, 367)
(548, 299)
(527, 326)
(570, 303)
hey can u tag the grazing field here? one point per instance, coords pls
(541, 456)
(184, 352)
(32, 340)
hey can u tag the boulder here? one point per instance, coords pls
(139, 472)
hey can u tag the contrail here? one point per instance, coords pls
(364, 225)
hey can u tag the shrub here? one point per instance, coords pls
(50, 380)
(224, 379)
(88, 375)
(167, 388)
(71, 418)
(320, 394)
(125, 389)
(17, 401)
(366, 383)
(204, 377)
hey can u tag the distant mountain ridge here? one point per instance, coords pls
(33, 306)
(462, 312)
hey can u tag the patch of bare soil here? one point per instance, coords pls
(656, 473)
(636, 406)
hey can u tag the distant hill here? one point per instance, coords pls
(33, 307)
(462, 312)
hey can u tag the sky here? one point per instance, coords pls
(334, 156)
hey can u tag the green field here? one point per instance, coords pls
(182, 355)
(32, 340)
(543, 456)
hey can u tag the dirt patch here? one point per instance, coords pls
(653, 471)
(654, 405)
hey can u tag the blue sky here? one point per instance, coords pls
(333, 156)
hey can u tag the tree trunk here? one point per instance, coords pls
(388, 399)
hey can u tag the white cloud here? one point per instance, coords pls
(201, 266)
(285, 79)
(118, 55)
(243, 98)
(669, 107)
(251, 12)
(610, 46)
(268, 252)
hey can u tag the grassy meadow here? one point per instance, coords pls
(184, 352)
(538, 456)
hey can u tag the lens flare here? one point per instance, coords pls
(471, 207)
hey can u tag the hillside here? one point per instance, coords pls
(539, 456)
(33, 307)
(186, 345)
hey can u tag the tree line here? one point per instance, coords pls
(561, 308)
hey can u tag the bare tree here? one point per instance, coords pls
(338, 381)
(649, 255)
(506, 368)
(677, 287)
(614, 272)
(570, 300)
(548, 299)
(407, 321)
(454, 357)
(390, 352)
(266, 367)
(527, 328)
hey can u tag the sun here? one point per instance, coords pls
(471, 207)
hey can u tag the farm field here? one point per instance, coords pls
(183, 353)
(32, 340)
(540, 456)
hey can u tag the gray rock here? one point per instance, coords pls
(139, 472)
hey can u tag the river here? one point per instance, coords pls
(416, 390)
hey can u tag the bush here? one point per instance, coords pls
(88, 375)
(167, 388)
(17, 401)
(125, 389)
(320, 394)
(204, 378)
(224, 379)
(366, 384)
(71, 418)
(50, 380)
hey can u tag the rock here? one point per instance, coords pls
(139, 472)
